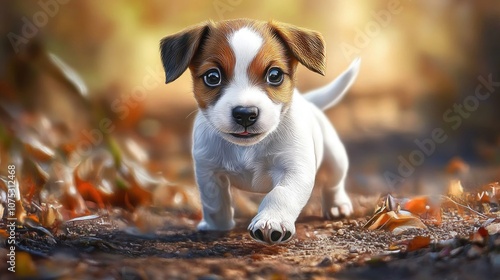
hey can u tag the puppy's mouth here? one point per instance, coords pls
(245, 134)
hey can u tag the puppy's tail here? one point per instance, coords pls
(329, 95)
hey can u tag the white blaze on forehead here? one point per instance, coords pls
(245, 44)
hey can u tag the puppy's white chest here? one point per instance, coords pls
(248, 169)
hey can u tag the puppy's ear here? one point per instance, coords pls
(178, 49)
(307, 46)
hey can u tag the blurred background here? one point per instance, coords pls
(426, 104)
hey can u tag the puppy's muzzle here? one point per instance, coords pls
(245, 116)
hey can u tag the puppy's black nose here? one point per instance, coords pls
(245, 116)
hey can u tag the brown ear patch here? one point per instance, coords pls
(307, 46)
(273, 54)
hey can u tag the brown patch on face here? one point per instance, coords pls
(284, 46)
(273, 54)
(215, 52)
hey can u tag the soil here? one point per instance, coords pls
(343, 249)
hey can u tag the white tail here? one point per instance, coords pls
(329, 95)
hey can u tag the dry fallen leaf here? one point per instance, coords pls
(51, 215)
(58, 179)
(395, 222)
(61, 188)
(390, 217)
(20, 211)
(426, 207)
(95, 177)
(455, 188)
(418, 242)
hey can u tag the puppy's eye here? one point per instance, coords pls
(274, 76)
(212, 77)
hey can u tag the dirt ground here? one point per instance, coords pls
(96, 249)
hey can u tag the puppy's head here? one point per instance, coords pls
(243, 71)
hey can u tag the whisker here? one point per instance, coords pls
(194, 111)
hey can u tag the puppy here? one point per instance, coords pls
(254, 130)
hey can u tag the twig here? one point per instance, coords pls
(465, 206)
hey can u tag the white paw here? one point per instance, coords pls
(271, 230)
(205, 226)
(341, 207)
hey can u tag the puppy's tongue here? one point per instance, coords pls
(244, 133)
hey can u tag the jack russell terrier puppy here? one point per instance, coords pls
(254, 130)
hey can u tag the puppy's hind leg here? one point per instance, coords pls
(335, 201)
(216, 201)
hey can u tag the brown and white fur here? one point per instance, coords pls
(254, 130)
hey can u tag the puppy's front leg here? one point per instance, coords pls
(275, 220)
(216, 201)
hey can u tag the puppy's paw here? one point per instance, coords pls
(341, 207)
(206, 226)
(271, 230)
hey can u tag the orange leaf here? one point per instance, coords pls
(483, 232)
(90, 193)
(137, 196)
(426, 207)
(399, 223)
(418, 242)
(417, 205)
(377, 221)
(94, 178)
(30, 189)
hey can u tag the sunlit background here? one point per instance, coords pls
(422, 65)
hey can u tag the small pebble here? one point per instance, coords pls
(327, 261)
(474, 252)
(337, 224)
(455, 252)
